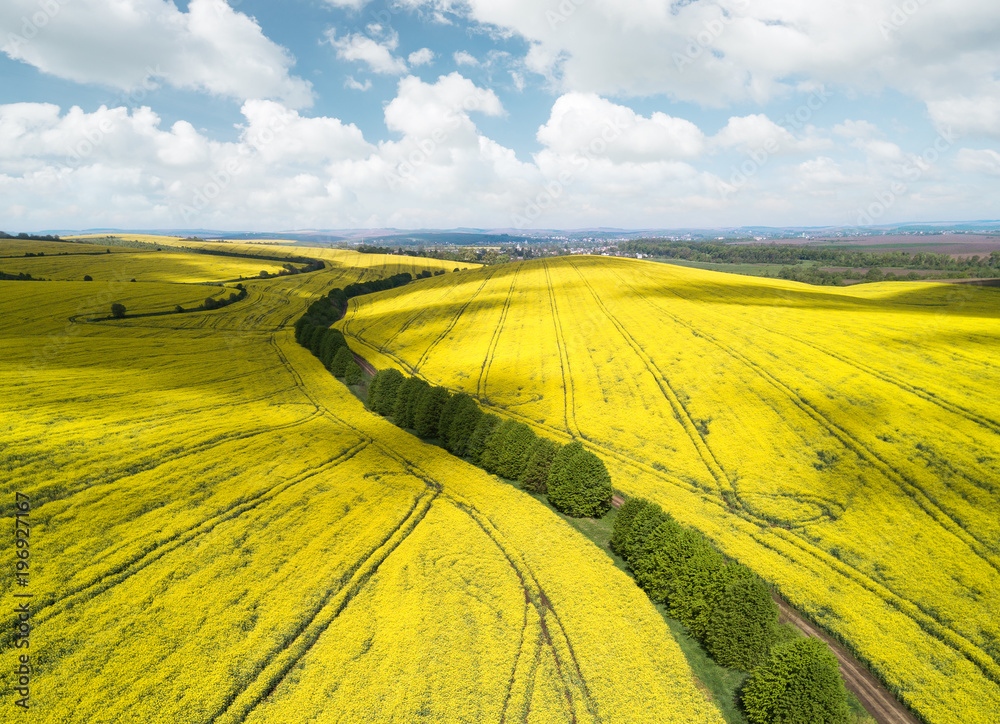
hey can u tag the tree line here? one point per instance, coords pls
(575, 481)
(723, 604)
(313, 331)
(212, 303)
(729, 609)
(119, 311)
(30, 237)
(340, 296)
(789, 254)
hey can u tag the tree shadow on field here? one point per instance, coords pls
(918, 298)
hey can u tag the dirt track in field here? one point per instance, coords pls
(882, 705)
(876, 699)
(364, 364)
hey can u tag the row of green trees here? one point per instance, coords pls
(211, 303)
(330, 347)
(313, 331)
(339, 297)
(33, 237)
(729, 609)
(19, 277)
(575, 480)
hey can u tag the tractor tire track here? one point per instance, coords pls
(137, 563)
(270, 674)
(953, 408)
(491, 349)
(569, 395)
(419, 315)
(944, 633)
(164, 458)
(868, 455)
(679, 409)
(451, 325)
(864, 452)
(517, 661)
(545, 610)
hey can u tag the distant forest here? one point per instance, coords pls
(793, 256)
(32, 237)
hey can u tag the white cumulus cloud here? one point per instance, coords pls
(127, 44)
(421, 57)
(377, 55)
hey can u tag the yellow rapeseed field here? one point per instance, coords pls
(220, 532)
(142, 266)
(842, 442)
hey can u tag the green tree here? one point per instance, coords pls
(799, 684)
(371, 395)
(300, 327)
(407, 401)
(316, 341)
(308, 331)
(624, 522)
(465, 417)
(390, 381)
(655, 557)
(340, 361)
(333, 340)
(535, 477)
(741, 628)
(579, 484)
(447, 417)
(638, 541)
(88, 278)
(690, 595)
(507, 449)
(476, 443)
(428, 413)
(118, 310)
(562, 458)
(353, 374)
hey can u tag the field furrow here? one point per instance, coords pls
(853, 427)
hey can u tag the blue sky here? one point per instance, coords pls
(523, 113)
